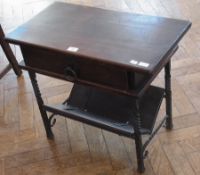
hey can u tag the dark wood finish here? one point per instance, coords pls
(75, 69)
(108, 43)
(110, 111)
(96, 62)
(133, 78)
(168, 93)
(10, 56)
(106, 36)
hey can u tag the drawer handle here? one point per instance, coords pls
(70, 74)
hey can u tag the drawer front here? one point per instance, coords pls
(80, 69)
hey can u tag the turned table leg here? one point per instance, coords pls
(138, 138)
(40, 103)
(168, 96)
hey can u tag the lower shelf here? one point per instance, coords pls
(108, 111)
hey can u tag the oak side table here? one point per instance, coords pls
(112, 59)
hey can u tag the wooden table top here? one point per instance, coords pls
(138, 42)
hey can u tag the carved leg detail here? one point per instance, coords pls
(138, 139)
(40, 103)
(168, 97)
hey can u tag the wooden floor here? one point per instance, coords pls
(81, 149)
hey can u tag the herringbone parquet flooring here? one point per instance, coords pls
(81, 149)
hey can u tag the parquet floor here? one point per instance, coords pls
(81, 149)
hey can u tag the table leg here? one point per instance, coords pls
(138, 139)
(5, 70)
(139, 152)
(9, 54)
(40, 103)
(168, 96)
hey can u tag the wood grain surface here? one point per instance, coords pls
(24, 148)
